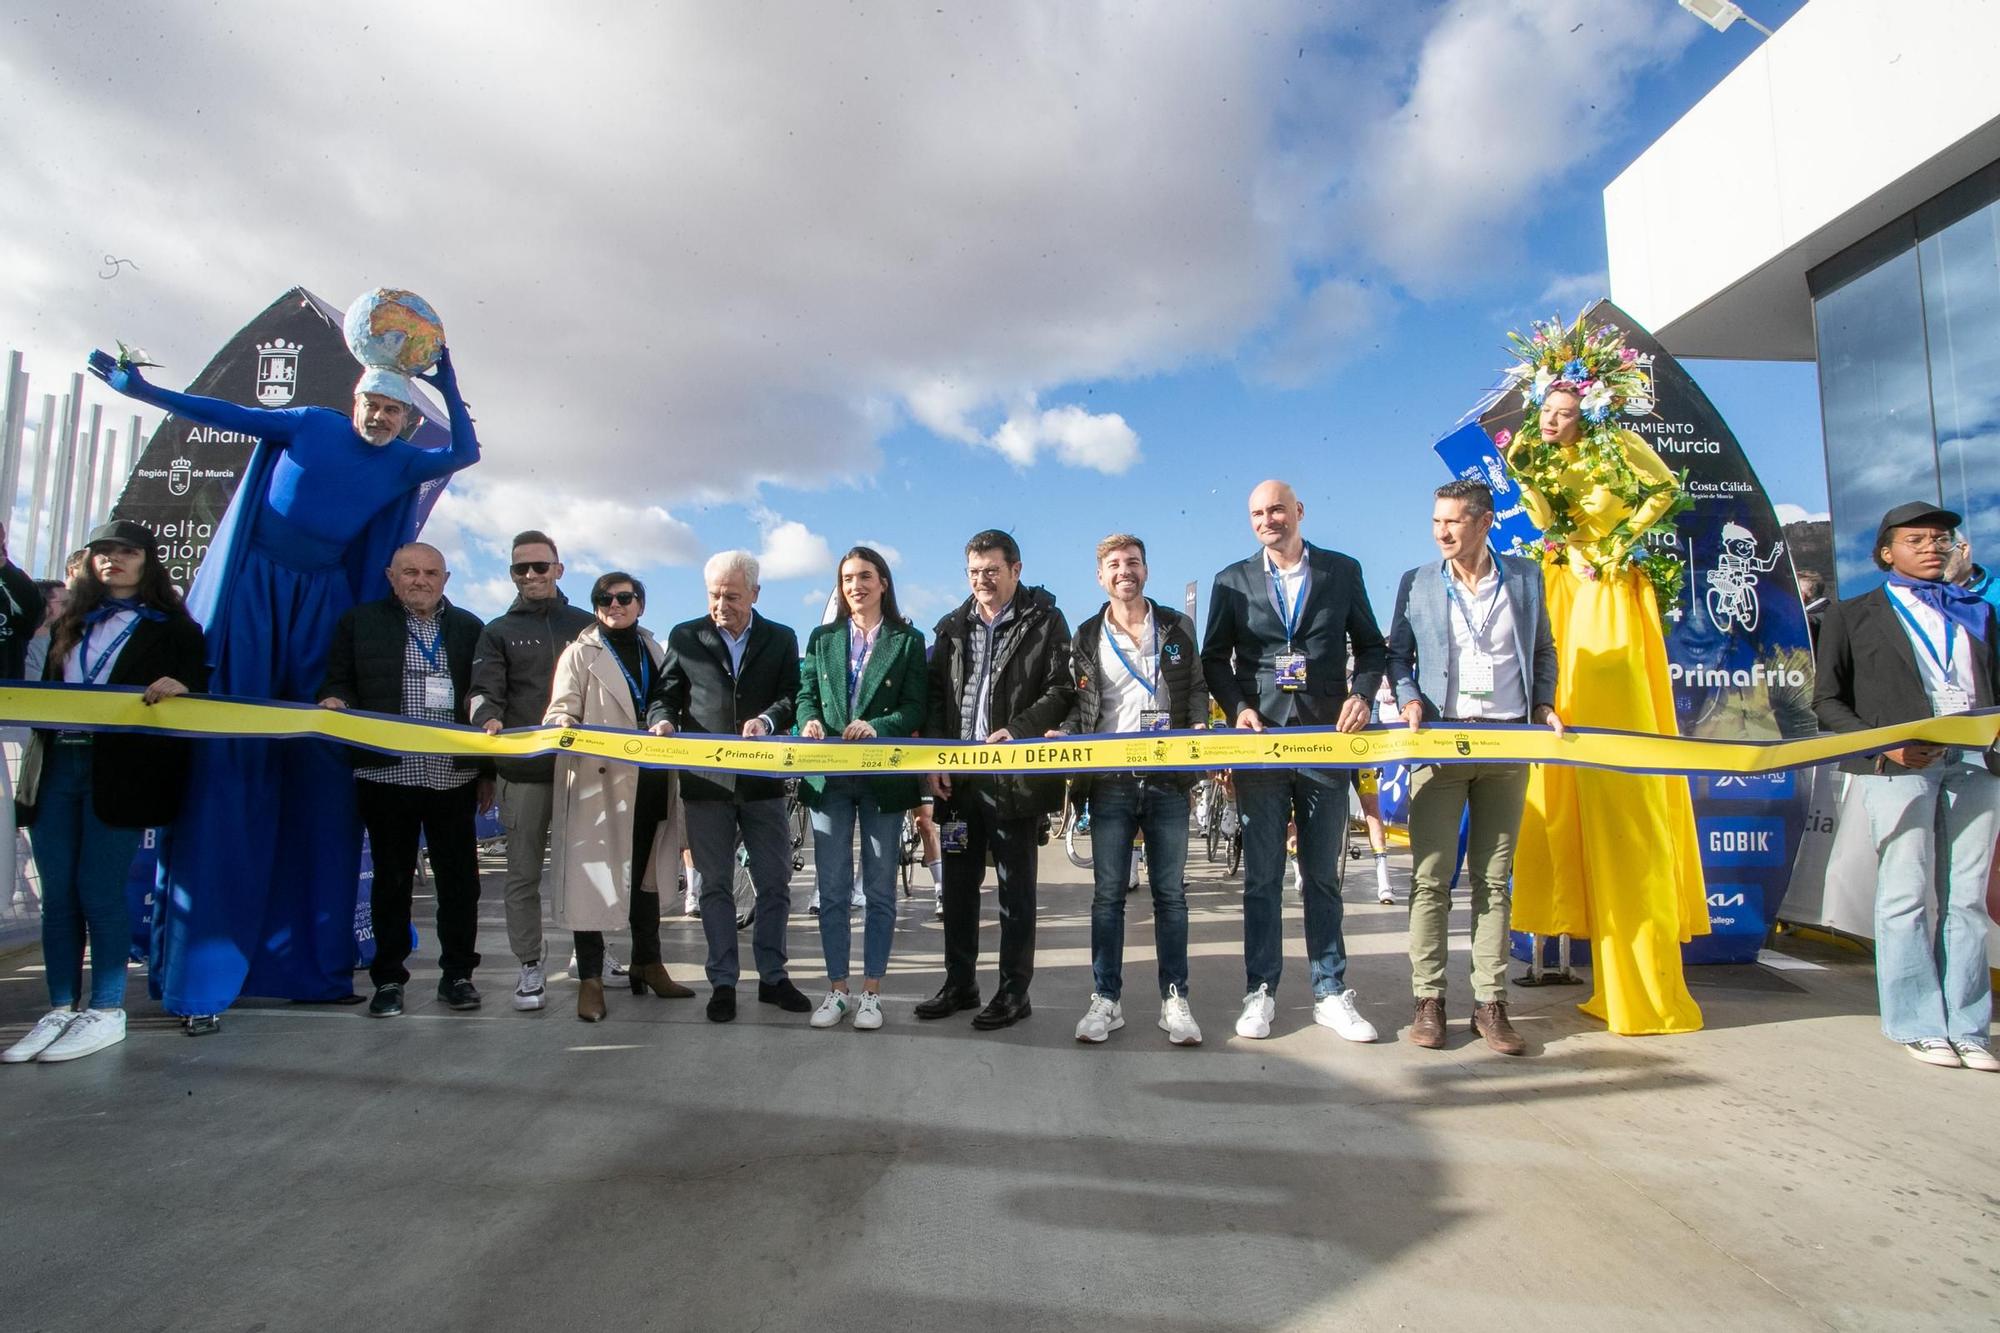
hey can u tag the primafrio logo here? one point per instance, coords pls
(180, 476)
(277, 372)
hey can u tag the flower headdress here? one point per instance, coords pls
(1594, 364)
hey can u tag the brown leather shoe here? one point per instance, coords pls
(1428, 1029)
(654, 976)
(590, 1000)
(1489, 1020)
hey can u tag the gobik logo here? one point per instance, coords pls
(1742, 842)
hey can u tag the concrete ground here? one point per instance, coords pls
(308, 1168)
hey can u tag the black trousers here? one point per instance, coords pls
(394, 817)
(649, 808)
(1013, 844)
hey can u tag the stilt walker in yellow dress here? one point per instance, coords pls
(1607, 857)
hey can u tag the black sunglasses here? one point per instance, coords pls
(520, 567)
(622, 598)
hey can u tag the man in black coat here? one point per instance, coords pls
(1281, 627)
(511, 676)
(734, 673)
(1917, 647)
(999, 672)
(411, 654)
(20, 613)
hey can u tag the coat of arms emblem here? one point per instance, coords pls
(277, 372)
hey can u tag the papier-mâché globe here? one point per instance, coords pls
(392, 329)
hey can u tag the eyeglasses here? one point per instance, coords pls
(523, 567)
(622, 598)
(984, 575)
(1916, 541)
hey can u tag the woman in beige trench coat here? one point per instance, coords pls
(615, 828)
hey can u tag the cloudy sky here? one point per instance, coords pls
(789, 276)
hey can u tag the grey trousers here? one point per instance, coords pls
(713, 828)
(1490, 797)
(524, 812)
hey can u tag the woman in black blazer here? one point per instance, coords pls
(88, 797)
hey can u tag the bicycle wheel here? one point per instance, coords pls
(1076, 840)
(743, 889)
(1235, 851)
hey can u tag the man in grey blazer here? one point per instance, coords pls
(1281, 626)
(1469, 643)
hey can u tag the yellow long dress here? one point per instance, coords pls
(1612, 857)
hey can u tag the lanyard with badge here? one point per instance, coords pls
(1950, 697)
(437, 680)
(1475, 666)
(642, 685)
(860, 647)
(1288, 667)
(1150, 719)
(93, 672)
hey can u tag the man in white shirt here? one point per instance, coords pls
(1469, 643)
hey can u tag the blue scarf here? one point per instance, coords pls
(1961, 606)
(111, 606)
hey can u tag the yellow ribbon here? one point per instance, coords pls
(87, 709)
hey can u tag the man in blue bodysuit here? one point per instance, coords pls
(258, 876)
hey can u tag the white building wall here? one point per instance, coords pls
(1854, 113)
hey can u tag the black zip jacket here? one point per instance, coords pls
(1031, 693)
(513, 668)
(1183, 690)
(364, 667)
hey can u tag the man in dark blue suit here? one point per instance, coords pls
(1281, 627)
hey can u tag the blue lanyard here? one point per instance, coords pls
(91, 673)
(640, 686)
(858, 662)
(1289, 615)
(1492, 606)
(1944, 662)
(432, 651)
(1110, 637)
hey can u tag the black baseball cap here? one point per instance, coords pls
(125, 532)
(1917, 513)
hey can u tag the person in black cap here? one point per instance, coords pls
(87, 798)
(1913, 648)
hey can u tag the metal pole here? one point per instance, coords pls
(63, 484)
(29, 558)
(86, 475)
(11, 421)
(100, 509)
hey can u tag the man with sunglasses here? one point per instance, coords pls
(511, 672)
(1913, 648)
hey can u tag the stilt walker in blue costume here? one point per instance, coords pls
(258, 875)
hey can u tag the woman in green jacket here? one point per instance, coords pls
(863, 676)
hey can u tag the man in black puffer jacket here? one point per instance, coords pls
(511, 674)
(999, 672)
(411, 654)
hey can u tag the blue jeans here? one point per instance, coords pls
(84, 864)
(1934, 834)
(1118, 806)
(1268, 799)
(844, 804)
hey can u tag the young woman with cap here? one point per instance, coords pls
(86, 798)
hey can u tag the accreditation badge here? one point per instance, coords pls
(1290, 672)
(1950, 699)
(952, 835)
(1155, 719)
(437, 692)
(1475, 674)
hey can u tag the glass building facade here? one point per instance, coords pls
(1908, 322)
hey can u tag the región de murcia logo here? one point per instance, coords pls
(180, 476)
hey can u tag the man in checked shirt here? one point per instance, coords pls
(411, 654)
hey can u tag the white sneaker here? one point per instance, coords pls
(1338, 1012)
(1103, 1018)
(832, 1009)
(937, 903)
(812, 905)
(857, 902)
(1258, 1011)
(1935, 1051)
(92, 1031)
(869, 1016)
(1974, 1055)
(1383, 893)
(529, 992)
(40, 1037)
(1177, 1020)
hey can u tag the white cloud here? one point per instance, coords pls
(1791, 513)
(883, 549)
(592, 534)
(791, 550)
(1099, 441)
(1321, 331)
(1568, 293)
